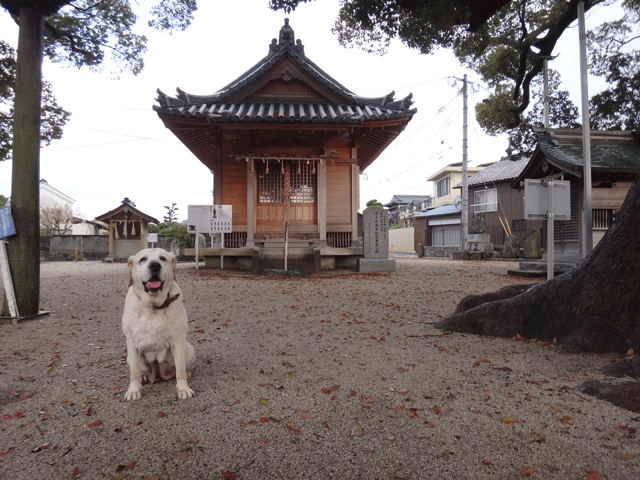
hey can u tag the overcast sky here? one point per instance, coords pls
(115, 146)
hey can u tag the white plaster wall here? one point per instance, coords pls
(402, 240)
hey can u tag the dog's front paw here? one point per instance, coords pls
(184, 391)
(133, 394)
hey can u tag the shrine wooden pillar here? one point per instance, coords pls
(217, 195)
(251, 204)
(355, 199)
(322, 202)
(112, 238)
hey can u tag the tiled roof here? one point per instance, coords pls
(259, 111)
(224, 106)
(616, 150)
(406, 199)
(125, 207)
(283, 91)
(611, 152)
(500, 171)
(439, 212)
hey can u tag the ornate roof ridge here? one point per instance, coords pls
(285, 45)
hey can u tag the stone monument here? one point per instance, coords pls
(533, 245)
(511, 247)
(376, 242)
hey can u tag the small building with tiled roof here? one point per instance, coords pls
(128, 230)
(286, 143)
(615, 161)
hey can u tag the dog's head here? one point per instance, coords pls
(152, 270)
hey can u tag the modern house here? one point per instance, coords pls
(445, 181)
(439, 229)
(286, 144)
(403, 207)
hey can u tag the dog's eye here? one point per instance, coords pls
(163, 259)
(143, 259)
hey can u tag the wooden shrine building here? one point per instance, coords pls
(286, 144)
(128, 230)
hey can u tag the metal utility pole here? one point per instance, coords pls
(587, 244)
(464, 217)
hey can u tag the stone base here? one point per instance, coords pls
(369, 265)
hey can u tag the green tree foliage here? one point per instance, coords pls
(179, 232)
(171, 215)
(612, 57)
(77, 33)
(53, 117)
(87, 32)
(507, 50)
(563, 113)
(374, 204)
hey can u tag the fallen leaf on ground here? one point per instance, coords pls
(526, 471)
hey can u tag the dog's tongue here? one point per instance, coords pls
(154, 284)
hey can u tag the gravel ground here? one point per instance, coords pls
(340, 375)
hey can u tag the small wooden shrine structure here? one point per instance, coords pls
(615, 162)
(286, 144)
(128, 230)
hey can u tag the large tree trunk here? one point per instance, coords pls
(593, 308)
(24, 247)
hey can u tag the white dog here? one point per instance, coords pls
(155, 324)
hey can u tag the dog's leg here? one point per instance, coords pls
(134, 360)
(179, 350)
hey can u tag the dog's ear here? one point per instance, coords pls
(130, 270)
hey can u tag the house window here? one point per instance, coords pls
(485, 201)
(602, 218)
(442, 187)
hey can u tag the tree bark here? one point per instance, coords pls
(595, 307)
(24, 247)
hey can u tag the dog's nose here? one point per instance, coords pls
(155, 267)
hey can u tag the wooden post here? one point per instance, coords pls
(112, 238)
(322, 202)
(251, 204)
(355, 198)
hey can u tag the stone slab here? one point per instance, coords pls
(371, 265)
(376, 233)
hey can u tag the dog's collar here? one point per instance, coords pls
(167, 302)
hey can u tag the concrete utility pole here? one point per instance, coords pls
(464, 217)
(587, 244)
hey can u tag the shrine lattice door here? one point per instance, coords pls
(286, 191)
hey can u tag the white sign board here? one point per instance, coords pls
(209, 219)
(538, 205)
